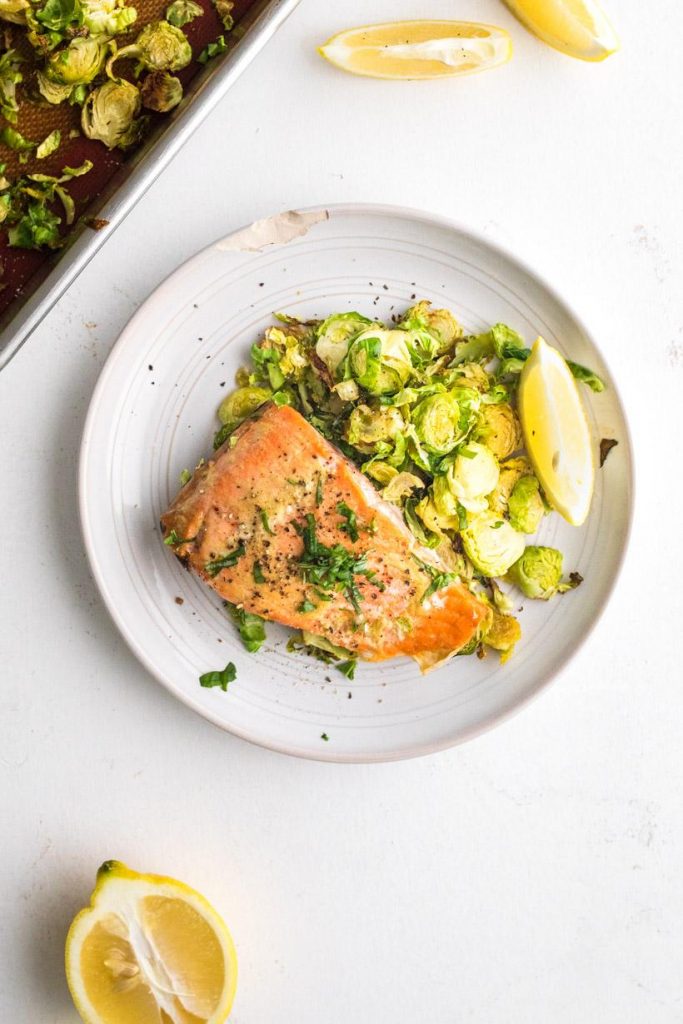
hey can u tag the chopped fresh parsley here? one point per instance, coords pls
(266, 523)
(347, 668)
(497, 526)
(251, 627)
(440, 580)
(324, 736)
(350, 525)
(307, 606)
(319, 491)
(185, 477)
(257, 573)
(331, 568)
(225, 561)
(462, 516)
(219, 678)
(173, 540)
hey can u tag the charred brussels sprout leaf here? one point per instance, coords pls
(110, 114)
(213, 49)
(107, 18)
(161, 91)
(586, 376)
(224, 9)
(38, 228)
(159, 47)
(250, 627)
(182, 12)
(606, 446)
(15, 140)
(49, 145)
(538, 572)
(10, 77)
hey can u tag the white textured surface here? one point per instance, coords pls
(532, 875)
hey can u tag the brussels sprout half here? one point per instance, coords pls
(367, 427)
(525, 505)
(443, 421)
(499, 429)
(161, 91)
(110, 115)
(78, 64)
(241, 403)
(537, 572)
(471, 475)
(491, 544)
(334, 336)
(439, 323)
(159, 47)
(379, 360)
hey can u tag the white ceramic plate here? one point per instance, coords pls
(153, 413)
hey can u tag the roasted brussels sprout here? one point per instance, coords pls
(400, 486)
(537, 572)
(161, 91)
(334, 336)
(291, 357)
(510, 472)
(10, 76)
(182, 12)
(51, 91)
(382, 472)
(470, 375)
(502, 633)
(78, 64)
(159, 47)
(471, 475)
(107, 18)
(240, 404)
(440, 323)
(525, 505)
(379, 360)
(14, 11)
(499, 429)
(491, 544)
(367, 427)
(442, 421)
(110, 115)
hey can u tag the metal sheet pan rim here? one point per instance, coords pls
(151, 163)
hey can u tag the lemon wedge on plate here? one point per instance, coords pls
(556, 432)
(577, 27)
(418, 49)
(149, 950)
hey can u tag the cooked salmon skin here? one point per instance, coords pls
(282, 523)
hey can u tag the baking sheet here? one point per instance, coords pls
(34, 281)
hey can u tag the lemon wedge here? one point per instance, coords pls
(577, 27)
(418, 49)
(149, 950)
(556, 432)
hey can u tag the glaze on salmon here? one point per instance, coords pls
(283, 524)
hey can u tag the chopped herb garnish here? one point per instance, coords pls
(251, 627)
(225, 562)
(266, 523)
(257, 573)
(319, 491)
(440, 579)
(173, 540)
(307, 606)
(347, 668)
(331, 568)
(185, 477)
(219, 678)
(497, 526)
(462, 516)
(324, 736)
(350, 526)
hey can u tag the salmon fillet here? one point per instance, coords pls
(282, 523)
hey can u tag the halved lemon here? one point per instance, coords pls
(149, 950)
(577, 27)
(556, 432)
(418, 49)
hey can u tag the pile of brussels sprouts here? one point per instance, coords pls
(76, 60)
(430, 416)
